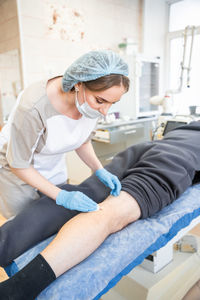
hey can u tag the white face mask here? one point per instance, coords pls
(85, 109)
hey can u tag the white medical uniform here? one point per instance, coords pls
(36, 134)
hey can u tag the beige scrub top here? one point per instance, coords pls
(36, 134)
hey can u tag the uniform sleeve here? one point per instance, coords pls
(25, 132)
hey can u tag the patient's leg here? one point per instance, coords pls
(88, 231)
(39, 220)
(77, 239)
(43, 218)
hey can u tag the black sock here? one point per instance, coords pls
(28, 282)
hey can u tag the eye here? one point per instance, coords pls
(99, 101)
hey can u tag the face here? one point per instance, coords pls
(100, 101)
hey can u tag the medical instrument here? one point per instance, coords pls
(76, 201)
(109, 180)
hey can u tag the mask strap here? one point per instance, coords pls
(77, 90)
(84, 96)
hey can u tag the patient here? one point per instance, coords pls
(152, 174)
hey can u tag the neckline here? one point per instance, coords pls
(45, 82)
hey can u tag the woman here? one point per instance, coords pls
(52, 118)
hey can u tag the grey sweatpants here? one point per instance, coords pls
(154, 173)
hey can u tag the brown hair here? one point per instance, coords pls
(106, 82)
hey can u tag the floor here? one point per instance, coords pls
(193, 294)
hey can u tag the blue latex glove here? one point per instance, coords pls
(76, 201)
(109, 180)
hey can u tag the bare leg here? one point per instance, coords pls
(76, 240)
(88, 230)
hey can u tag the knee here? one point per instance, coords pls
(121, 211)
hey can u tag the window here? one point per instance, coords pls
(182, 14)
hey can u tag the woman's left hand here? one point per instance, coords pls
(109, 180)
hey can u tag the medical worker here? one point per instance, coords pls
(51, 118)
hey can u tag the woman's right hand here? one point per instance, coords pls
(76, 201)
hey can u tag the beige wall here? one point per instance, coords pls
(10, 79)
(54, 33)
(9, 31)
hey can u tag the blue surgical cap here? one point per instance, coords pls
(93, 65)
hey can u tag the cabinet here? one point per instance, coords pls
(120, 136)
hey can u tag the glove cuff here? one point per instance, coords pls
(61, 197)
(97, 172)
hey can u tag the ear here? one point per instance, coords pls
(76, 88)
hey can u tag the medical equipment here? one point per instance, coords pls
(130, 131)
(166, 123)
(188, 243)
(170, 125)
(123, 251)
(144, 75)
(167, 101)
(194, 110)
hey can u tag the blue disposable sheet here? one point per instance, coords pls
(119, 253)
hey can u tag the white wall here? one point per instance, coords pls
(54, 33)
